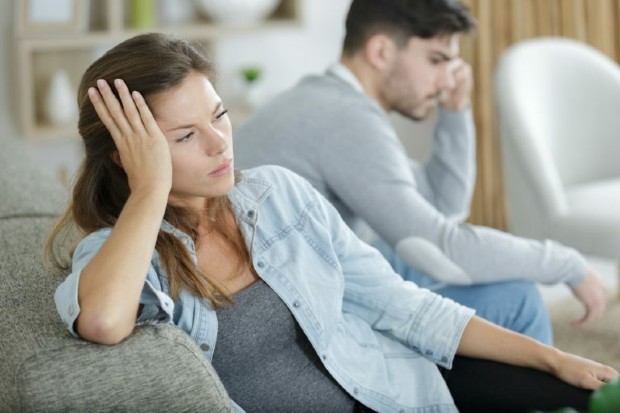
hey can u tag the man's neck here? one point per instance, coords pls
(365, 75)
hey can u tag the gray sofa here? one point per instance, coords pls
(42, 367)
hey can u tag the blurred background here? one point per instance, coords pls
(47, 44)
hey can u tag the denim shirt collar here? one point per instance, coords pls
(246, 196)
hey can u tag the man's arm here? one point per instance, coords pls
(447, 178)
(364, 163)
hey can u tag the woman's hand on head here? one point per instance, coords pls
(582, 372)
(143, 150)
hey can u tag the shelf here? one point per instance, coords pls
(39, 54)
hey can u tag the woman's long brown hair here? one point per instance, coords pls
(149, 63)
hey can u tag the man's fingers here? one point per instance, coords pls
(593, 313)
(581, 322)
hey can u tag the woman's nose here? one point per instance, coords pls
(215, 142)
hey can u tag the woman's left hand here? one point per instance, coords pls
(582, 372)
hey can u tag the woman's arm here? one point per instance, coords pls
(110, 285)
(484, 340)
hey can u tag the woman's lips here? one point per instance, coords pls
(223, 169)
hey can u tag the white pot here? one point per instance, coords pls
(60, 107)
(236, 11)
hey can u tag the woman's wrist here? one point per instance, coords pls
(549, 359)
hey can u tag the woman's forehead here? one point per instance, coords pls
(194, 94)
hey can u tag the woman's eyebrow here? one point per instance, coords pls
(188, 126)
(218, 107)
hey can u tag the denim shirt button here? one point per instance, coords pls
(296, 304)
(324, 357)
(251, 213)
(260, 264)
(356, 390)
(71, 311)
(204, 347)
(444, 359)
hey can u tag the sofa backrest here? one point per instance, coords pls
(25, 190)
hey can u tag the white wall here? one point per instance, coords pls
(284, 54)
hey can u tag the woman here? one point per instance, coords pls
(303, 313)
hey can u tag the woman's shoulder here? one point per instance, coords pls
(91, 243)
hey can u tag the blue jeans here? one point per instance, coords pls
(515, 305)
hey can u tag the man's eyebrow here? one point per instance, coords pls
(445, 57)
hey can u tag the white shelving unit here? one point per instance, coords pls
(38, 53)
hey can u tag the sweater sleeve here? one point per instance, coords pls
(447, 178)
(364, 163)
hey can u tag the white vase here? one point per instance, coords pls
(60, 106)
(236, 11)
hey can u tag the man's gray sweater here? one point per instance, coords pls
(342, 141)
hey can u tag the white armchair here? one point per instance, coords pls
(558, 105)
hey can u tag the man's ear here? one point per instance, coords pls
(380, 51)
(116, 158)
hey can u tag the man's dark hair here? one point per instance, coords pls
(403, 19)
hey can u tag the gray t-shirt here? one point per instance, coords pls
(266, 362)
(343, 142)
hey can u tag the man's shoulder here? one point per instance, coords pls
(319, 93)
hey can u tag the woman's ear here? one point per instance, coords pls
(380, 51)
(116, 158)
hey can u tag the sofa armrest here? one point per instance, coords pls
(157, 368)
(44, 368)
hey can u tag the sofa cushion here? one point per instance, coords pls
(25, 190)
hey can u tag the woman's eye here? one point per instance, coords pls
(185, 138)
(221, 114)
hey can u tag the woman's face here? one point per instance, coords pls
(199, 134)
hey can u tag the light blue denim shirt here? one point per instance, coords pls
(379, 336)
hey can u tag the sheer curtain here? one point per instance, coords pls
(500, 24)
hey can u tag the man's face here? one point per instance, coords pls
(419, 73)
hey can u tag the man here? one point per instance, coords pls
(403, 56)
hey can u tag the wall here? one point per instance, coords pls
(284, 54)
